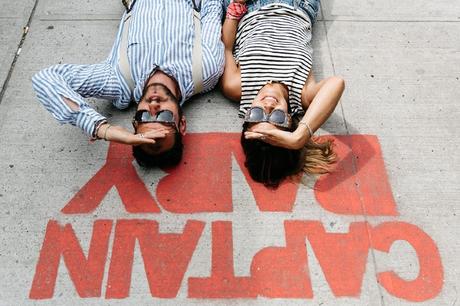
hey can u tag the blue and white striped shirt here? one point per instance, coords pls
(161, 37)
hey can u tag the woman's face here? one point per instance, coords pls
(272, 96)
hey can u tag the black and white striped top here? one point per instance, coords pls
(274, 44)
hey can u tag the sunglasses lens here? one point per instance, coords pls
(165, 116)
(142, 116)
(256, 114)
(277, 117)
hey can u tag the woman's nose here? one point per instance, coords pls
(269, 106)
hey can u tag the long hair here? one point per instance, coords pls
(319, 156)
(270, 165)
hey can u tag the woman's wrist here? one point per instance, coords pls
(307, 127)
(236, 10)
(303, 134)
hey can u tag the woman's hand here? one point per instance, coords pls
(121, 135)
(290, 140)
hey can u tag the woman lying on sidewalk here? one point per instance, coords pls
(268, 58)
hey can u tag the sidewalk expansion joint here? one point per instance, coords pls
(18, 52)
(354, 165)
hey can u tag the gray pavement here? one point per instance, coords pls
(401, 63)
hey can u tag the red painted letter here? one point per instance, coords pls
(282, 272)
(359, 185)
(206, 172)
(86, 274)
(222, 283)
(342, 257)
(118, 171)
(429, 282)
(276, 272)
(166, 257)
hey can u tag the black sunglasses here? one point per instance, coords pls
(277, 117)
(164, 116)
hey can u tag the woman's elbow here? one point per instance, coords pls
(230, 88)
(339, 82)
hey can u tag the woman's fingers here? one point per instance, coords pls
(254, 135)
(272, 134)
(263, 136)
(274, 137)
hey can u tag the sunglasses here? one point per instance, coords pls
(164, 117)
(277, 117)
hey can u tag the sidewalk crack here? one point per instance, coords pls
(18, 52)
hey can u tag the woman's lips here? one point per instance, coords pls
(270, 98)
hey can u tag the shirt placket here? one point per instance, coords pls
(159, 35)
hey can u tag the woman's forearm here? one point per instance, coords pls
(229, 33)
(230, 80)
(322, 105)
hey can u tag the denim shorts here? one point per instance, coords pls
(310, 7)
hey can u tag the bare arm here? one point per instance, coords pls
(319, 100)
(231, 79)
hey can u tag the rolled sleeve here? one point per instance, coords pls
(76, 82)
(86, 120)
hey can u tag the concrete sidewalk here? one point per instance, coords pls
(383, 230)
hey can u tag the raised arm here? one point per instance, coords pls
(62, 89)
(231, 79)
(319, 99)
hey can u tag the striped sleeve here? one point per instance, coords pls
(213, 48)
(76, 82)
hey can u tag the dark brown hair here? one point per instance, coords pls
(169, 158)
(270, 165)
